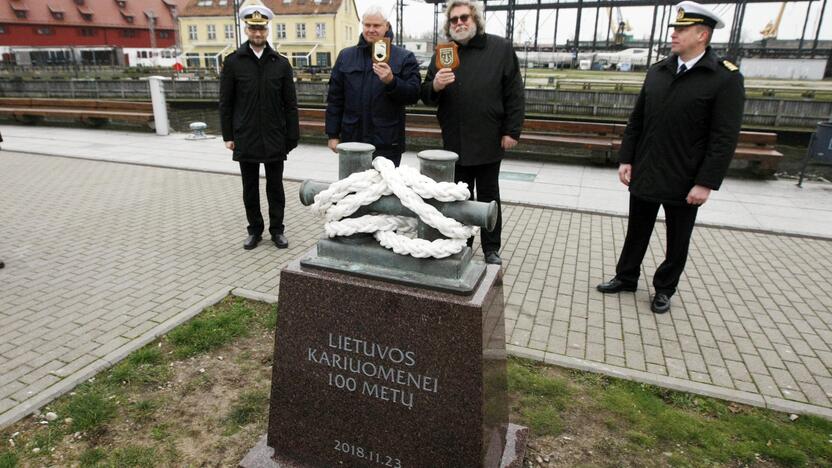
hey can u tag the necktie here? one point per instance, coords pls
(682, 69)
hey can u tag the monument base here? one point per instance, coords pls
(373, 373)
(263, 456)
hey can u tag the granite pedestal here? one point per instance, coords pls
(370, 373)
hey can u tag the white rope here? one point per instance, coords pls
(346, 196)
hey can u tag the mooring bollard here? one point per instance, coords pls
(197, 131)
(361, 253)
(440, 166)
(354, 157)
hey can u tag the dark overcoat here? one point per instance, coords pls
(684, 128)
(258, 105)
(484, 102)
(362, 108)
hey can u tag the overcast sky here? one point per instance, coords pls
(419, 18)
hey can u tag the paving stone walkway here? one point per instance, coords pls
(102, 257)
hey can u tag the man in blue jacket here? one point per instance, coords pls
(366, 100)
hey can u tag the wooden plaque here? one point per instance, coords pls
(447, 55)
(381, 50)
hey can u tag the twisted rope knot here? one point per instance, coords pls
(346, 196)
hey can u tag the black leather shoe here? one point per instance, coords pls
(614, 285)
(251, 242)
(280, 241)
(660, 303)
(493, 258)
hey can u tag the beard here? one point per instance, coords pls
(462, 35)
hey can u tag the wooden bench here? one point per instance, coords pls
(756, 150)
(89, 111)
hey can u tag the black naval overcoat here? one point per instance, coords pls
(684, 129)
(484, 102)
(258, 105)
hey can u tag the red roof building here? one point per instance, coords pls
(89, 23)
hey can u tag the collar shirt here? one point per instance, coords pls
(690, 63)
(260, 54)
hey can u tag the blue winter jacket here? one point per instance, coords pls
(362, 108)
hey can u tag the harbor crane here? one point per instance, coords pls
(770, 30)
(619, 27)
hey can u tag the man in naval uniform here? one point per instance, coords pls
(676, 149)
(259, 116)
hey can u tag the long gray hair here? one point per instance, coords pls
(476, 13)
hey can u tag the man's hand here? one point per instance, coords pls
(443, 78)
(230, 145)
(698, 195)
(508, 142)
(383, 72)
(332, 143)
(625, 173)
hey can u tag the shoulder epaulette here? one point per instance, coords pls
(730, 66)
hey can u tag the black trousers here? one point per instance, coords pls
(274, 193)
(679, 221)
(485, 180)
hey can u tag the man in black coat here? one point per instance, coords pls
(481, 107)
(366, 101)
(259, 116)
(676, 149)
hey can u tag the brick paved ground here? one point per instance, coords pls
(99, 256)
(102, 257)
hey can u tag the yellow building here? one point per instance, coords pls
(307, 32)
(206, 32)
(312, 32)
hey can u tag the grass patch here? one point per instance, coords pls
(8, 460)
(46, 439)
(541, 397)
(90, 411)
(633, 422)
(215, 327)
(92, 457)
(269, 321)
(145, 368)
(134, 456)
(249, 407)
(200, 396)
(135, 413)
(160, 432)
(708, 430)
(143, 411)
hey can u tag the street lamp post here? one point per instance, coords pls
(234, 15)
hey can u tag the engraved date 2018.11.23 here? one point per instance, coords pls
(371, 455)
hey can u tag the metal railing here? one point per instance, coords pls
(769, 112)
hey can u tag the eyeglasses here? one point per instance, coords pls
(459, 19)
